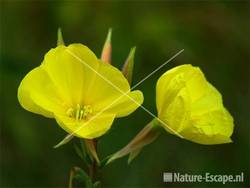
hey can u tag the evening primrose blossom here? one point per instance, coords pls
(188, 104)
(82, 102)
(189, 107)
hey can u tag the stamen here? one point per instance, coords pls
(70, 112)
(80, 112)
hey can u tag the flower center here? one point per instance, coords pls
(80, 112)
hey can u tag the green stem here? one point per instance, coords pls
(71, 176)
(93, 166)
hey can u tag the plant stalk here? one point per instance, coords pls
(93, 166)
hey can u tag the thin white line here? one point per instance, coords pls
(178, 53)
(120, 96)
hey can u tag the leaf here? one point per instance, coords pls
(65, 140)
(104, 161)
(128, 66)
(79, 152)
(97, 184)
(82, 177)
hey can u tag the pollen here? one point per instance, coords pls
(80, 112)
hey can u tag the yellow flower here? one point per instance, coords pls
(192, 107)
(67, 86)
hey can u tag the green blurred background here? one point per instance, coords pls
(215, 36)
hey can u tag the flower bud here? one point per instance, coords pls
(59, 37)
(128, 66)
(191, 107)
(107, 48)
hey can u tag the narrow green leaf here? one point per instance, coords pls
(97, 184)
(79, 152)
(104, 161)
(59, 37)
(82, 176)
(128, 66)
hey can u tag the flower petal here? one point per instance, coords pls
(92, 128)
(69, 69)
(171, 82)
(212, 100)
(122, 106)
(214, 127)
(178, 112)
(108, 84)
(37, 93)
(81, 77)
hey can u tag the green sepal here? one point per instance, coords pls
(107, 48)
(91, 149)
(146, 136)
(64, 141)
(133, 155)
(128, 66)
(59, 37)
